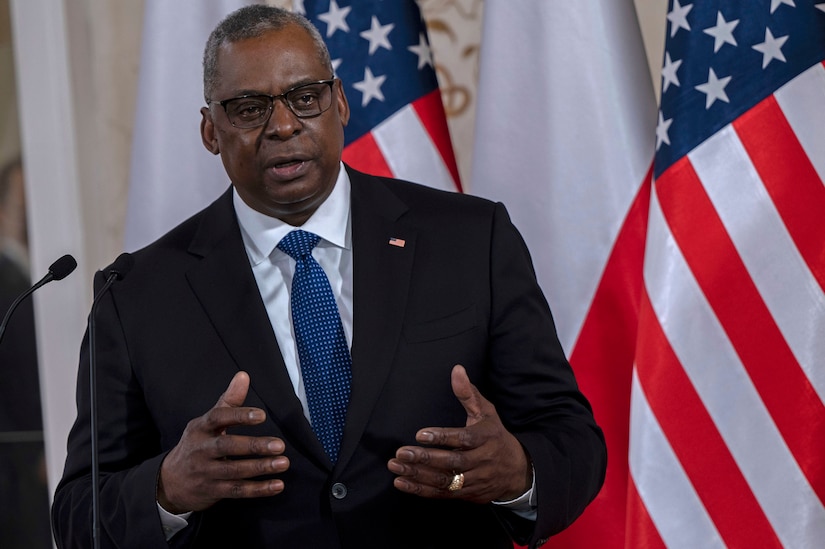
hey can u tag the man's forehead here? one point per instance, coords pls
(283, 46)
(286, 37)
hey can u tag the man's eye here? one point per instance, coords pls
(305, 99)
(249, 109)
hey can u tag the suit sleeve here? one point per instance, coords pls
(129, 452)
(536, 394)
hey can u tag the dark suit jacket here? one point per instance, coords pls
(188, 316)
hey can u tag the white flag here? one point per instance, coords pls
(565, 138)
(172, 175)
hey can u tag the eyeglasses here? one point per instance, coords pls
(304, 101)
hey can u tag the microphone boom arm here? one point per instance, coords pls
(58, 270)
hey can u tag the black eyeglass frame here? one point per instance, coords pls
(329, 82)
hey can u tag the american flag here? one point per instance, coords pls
(727, 436)
(381, 52)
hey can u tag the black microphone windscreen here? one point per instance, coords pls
(121, 266)
(63, 267)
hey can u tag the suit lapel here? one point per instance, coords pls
(226, 288)
(381, 276)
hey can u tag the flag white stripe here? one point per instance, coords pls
(802, 100)
(726, 391)
(582, 143)
(410, 152)
(667, 494)
(776, 267)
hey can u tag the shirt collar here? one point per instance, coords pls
(331, 221)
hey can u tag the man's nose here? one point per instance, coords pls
(282, 121)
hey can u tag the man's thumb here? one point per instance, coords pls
(465, 391)
(235, 393)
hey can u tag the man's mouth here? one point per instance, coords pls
(287, 168)
(287, 164)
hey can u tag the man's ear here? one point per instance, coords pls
(210, 140)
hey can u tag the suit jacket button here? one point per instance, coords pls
(339, 491)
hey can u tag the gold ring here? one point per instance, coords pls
(457, 483)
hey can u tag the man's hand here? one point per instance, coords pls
(494, 464)
(199, 471)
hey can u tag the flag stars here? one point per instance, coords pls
(771, 48)
(370, 87)
(661, 131)
(678, 17)
(820, 7)
(714, 89)
(776, 3)
(378, 35)
(423, 51)
(722, 33)
(335, 18)
(669, 72)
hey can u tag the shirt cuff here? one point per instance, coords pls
(171, 523)
(525, 505)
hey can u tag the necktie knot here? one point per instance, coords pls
(298, 244)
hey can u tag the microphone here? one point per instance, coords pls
(116, 271)
(58, 270)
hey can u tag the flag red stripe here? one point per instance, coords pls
(363, 154)
(789, 177)
(711, 468)
(787, 394)
(641, 532)
(603, 362)
(430, 111)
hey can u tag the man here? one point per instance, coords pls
(208, 325)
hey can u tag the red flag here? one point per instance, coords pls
(728, 421)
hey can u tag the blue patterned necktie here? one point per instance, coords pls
(326, 365)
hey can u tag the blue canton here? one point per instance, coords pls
(381, 52)
(326, 364)
(722, 57)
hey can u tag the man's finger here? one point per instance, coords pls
(236, 445)
(235, 393)
(466, 392)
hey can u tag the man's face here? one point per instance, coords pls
(287, 167)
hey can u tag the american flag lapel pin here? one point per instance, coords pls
(399, 242)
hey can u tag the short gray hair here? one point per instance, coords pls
(251, 22)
